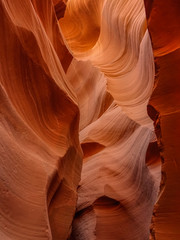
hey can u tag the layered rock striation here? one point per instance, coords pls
(115, 67)
(79, 157)
(40, 155)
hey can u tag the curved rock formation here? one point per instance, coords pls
(79, 157)
(40, 160)
(114, 169)
(119, 181)
(129, 70)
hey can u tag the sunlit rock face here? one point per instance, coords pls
(113, 62)
(119, 183)
(164, 109)
(79, 158)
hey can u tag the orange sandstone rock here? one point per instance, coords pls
(80, 85)
(163, 24)
(40, 155)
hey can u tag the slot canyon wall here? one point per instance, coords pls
(89, 115)
(163, 23)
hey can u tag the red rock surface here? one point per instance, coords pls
(164, 27)
(79, 158)
(40, 155)
(119, 181)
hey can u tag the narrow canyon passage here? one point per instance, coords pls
(89, 120)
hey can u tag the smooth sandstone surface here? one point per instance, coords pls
(40, 155)
(79, 157)
(163, 24)
(114, 64)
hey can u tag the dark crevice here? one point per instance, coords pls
(91, 148)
